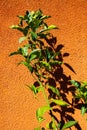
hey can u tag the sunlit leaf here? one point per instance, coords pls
(33, 35)
(34, 54)
(69, 124)
(59, 102)
(46, 65)
(75, 83)
(83, 110)
(38, 128)
(49, 28)
(54, 90)
(22, 39)
(41, 111)
(56, 62)
(16, 27)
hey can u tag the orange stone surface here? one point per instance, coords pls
(17, 103)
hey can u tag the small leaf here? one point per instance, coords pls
(52, 27)
(51, 126)
(33, 35)
(22, 39)
(56, 62)
(49, 28)
(69, 124)
(59, 102)
(16, 27)
(45, 17)
(46, 65)
(34, 54)
(83, 110)
(40, 112)
(34, 89)
(38, 128)
(54, 90)
(75, 83)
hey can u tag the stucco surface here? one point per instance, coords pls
(17, 104)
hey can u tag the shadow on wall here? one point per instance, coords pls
(60, 81)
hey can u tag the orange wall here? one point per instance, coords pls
(17, 104)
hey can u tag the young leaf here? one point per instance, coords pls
(75, 83)
(49, 28)
(40, 112)
(38, 128)
(54, 90)
(52, 27)
(33, 35)
(59, 102)
(46, 65)
(17, 27)
(22, 39)
(56, 62)
(34, 54)
(69, 124)
(83, 110)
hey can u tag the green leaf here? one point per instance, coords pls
(83, 110)
(46, 65)
(34, 89)
(69, 124)
(33, 35)
(49, 28)
(59, 102)
(16, 27)
(56, 62)
(45, 17)
(38, 128)
(52, 27)
(40, 112)
(24, 51)
(54, 90)
(34, 54)
(48, 55)
(22, 39)
(51, 126)
(75, 83)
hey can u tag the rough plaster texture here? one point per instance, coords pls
(17, 105)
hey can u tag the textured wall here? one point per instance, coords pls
(17, 107)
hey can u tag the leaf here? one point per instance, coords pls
(46, 65)
(49, 28)
(16, 27)
(54, 90)
(69, 124)
(33, 35)
(34, 89)
(24, 51)
(52, 27)
(34, 54)
(59, 102)
(51, 126)
(45, 17)
(38, 128)
(83, 110)
(40, 112)
(56, 62)
(75, 83)
(22, 39)
(48, 55)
